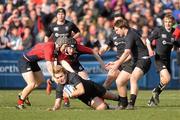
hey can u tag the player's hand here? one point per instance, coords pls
(65, 95)
(151, 53)
(51, 109)
(109, 65)
(114, 68)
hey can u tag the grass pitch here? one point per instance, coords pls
(168, 109)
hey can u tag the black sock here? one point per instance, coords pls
(124, 101)
(119, 98)
(132, 99)
(159, 88)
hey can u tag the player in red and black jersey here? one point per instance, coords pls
(73, 58)
(62, 27)
(176, 33)
(30, 69)
(72, 54)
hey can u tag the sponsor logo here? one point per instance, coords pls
(164, 36)
(56, 29)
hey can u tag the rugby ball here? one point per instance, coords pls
(68, 89)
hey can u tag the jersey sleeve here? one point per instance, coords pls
(49, 31)
(75, 29)
(74, 79)
(59, 91)
(49, 52)
(154, 34)
(109, 40)
(130, 41)
(84, 49)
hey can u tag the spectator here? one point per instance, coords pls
(3, 39)
(15, 39)
(91, 38)
(27, 38)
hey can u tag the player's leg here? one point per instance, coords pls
(49, 83)
(83, 74)
(30, 80)
(98, 104)
(111, 76)
(165, 77)
(135, 76)
(121, 83)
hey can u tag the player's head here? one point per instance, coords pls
(66, 45)
(61, 43)
(168, 21)
(120, 26)
(71, 48)
(117, 16)
(60, 74)
(61, 14)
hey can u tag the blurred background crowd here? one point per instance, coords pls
(23, 23)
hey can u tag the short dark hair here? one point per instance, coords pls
(118, 15)
(61, 10)
(121, 23)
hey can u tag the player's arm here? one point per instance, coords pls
(79, 90)
(57, 105)
(128, 58)
(76, 35)
(124, 56)
(67, 66)
(99, 59)
(103, 49)
(46, 38)
(150, 50)
(50, 65)
(59, 98)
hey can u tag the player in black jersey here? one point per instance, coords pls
(62, 27)
(139, 53)
(164, 44)
(114, 40)
(89, 92)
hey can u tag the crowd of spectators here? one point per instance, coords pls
(23, 23)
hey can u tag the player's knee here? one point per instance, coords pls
(102, 106)
(165, 79)
(32, 85)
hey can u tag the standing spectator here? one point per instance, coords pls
(3, 39)
(176, 11)
(83, 30)
(27, 39)
(106, 10)
(15, 39)
(40, 37)
(91, 38)
(36, 21)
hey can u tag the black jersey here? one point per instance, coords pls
(164, 40)
(90, 87)
(64, 30)
(136, 45)
(117, 41)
